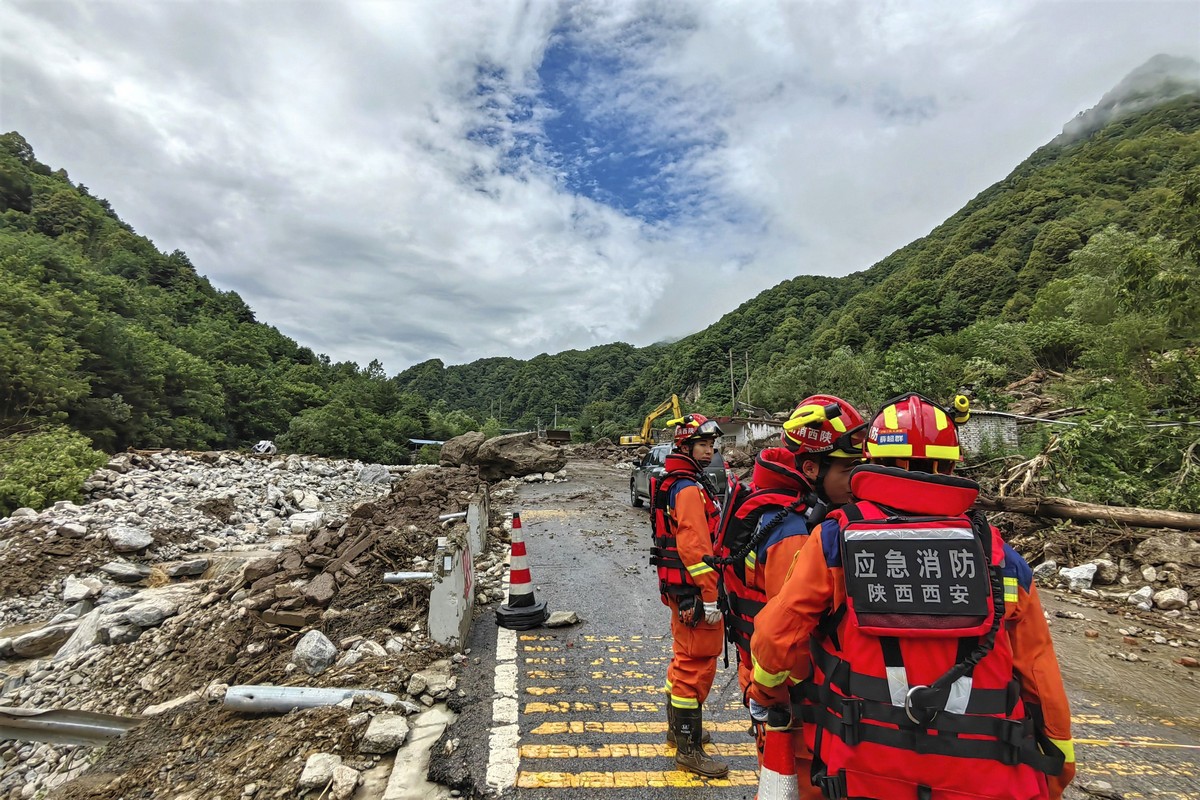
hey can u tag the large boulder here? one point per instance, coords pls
(1172, 547)
(461, 449)
(515, 455)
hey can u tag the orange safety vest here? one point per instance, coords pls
(673, 577)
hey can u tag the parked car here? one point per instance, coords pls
(653, 466)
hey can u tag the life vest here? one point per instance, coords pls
(682, 470)
(913, 692)
(749, 516)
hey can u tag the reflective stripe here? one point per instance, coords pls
(889, 418)
(942, 452)
(838, 424)
(696, 570)
(1067, 746)
(939, 419)
(684, 702)
(960, 695)
(1010, 590)
(768, 679)
(897, 680)
(751, 559)
(889, 450)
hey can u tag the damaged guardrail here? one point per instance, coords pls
(60, 726)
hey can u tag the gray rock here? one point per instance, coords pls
(85, 636)
(1177, 547)
(1045, 571)
(42, 641)
(125, 572)
(461, 449)
(127, 539)
(561, 619)
(314, 653)
(394, 646)
(374, 473)
(1078, 578)
(196, 566)
(1107, 572)
(1149, 573)
(318, 769)
(72, 530)
(372, 649)
(517, 454)
(151, 612)
(6, 649)
(320, 590)
(385, 734)
(1170, 599)
(23, 513)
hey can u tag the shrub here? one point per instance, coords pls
(42, 467)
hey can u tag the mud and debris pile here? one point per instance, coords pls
(152, 640)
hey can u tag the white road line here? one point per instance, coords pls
(503, 755)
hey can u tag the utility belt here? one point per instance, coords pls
(855, 720)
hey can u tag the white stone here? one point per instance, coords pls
(72, 530)
(151, 612)
(385, 734)
(561, 619)
(1078, 578)
(23, 513)
(1149, 573)
(345, 780)
(374, 473)
(127, 539)
(306, 522)
(1170, 599)
(318, 771)
(1141, 598)
(75, 589)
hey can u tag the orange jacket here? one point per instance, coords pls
(780, 645)
(693, 538)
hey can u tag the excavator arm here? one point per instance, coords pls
(671, 405)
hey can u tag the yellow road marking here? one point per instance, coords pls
(547, 513)
(558, 728)
(546, 661)
(630, 780)
(1131, 769)
(533, 637)
(1135, 743)
(598, 675)
(627, 750)
(566, 707)
(1090, 719)
(537, 648)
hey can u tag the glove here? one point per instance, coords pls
(712, 614)
(758, 713)
(767, 697)
(687, 611)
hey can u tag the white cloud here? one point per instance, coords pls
(315, 156)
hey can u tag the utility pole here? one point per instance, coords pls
(732, 391)
(747, 354)
(556, 416)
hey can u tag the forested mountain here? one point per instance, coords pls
(1083, 260)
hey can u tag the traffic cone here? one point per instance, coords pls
(522, 611)
(777, 778)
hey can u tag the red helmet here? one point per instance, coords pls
(693, 427)
(913, 426)
(825, 425)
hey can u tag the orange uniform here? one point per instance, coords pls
(692, 515)
(781, 643)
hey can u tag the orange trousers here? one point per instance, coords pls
(802, 753)
(694, 659)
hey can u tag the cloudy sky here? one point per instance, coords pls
(405, 180)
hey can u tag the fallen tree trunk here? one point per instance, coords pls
(1062, 508)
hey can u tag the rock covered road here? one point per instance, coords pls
(589, 715)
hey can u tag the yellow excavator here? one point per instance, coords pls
(645, 437)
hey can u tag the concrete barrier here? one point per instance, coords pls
(452, 598)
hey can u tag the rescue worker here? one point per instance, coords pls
(685, 514)
(814, 466)
(931, 672)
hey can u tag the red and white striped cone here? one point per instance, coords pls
(777, 778)
(522, 611)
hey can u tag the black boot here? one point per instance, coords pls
(704, 737)
(689, 753)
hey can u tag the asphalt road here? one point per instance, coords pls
(589, 709)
